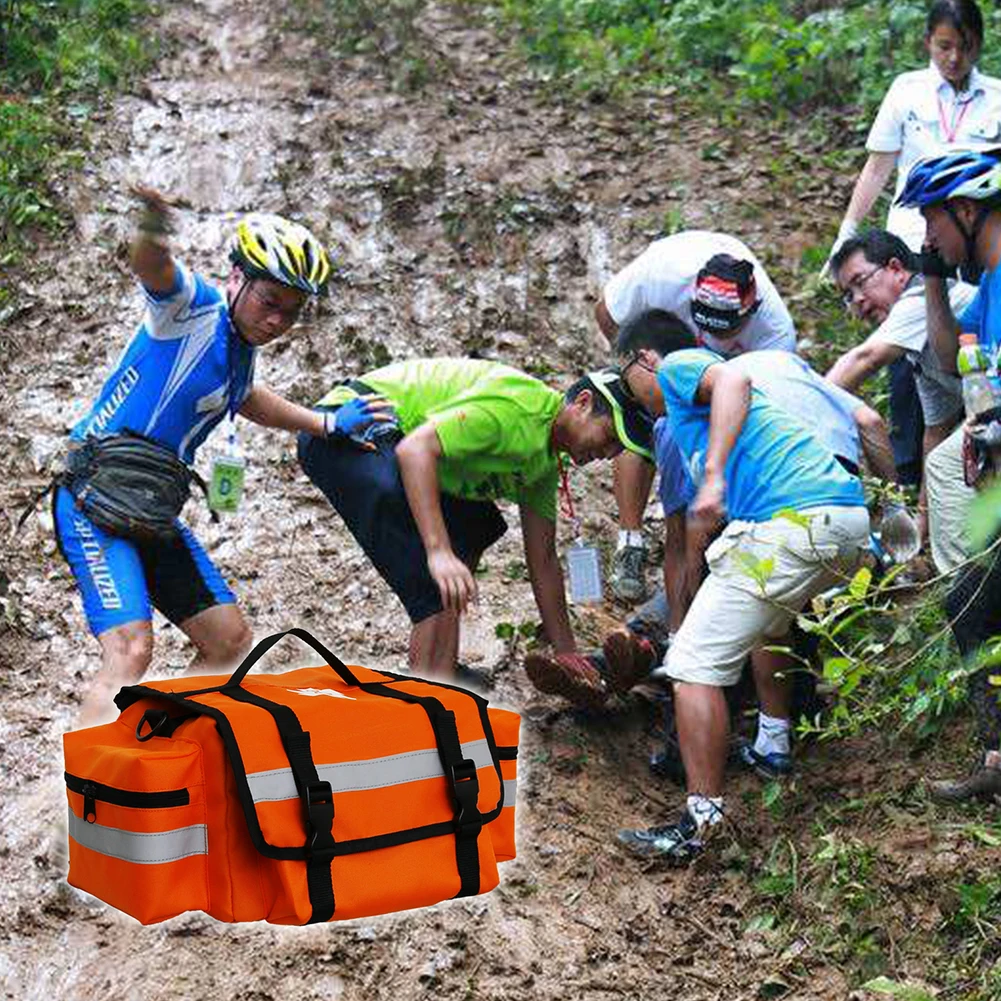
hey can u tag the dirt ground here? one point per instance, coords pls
(480, 214)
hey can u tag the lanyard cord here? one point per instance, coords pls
(566, 498)
(950, 133)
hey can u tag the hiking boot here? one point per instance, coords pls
(774, 765)
(629, 659)
(982, 783)
(676, 844)
(627, 581)
(571, 675)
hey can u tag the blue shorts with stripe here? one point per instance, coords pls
(122, 580)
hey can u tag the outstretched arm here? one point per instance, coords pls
(546, 575)
(871, 181)
(264, 406)
(875, 440)
(149, 253)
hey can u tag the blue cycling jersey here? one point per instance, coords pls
(179, 373)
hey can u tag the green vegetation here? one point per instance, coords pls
(793, 54)
(55, 59)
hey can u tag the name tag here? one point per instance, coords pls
(584, 570)
(226, 484)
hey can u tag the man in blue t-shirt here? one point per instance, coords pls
(797, 525)
(189, 366)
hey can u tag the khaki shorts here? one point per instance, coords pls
(761, 574)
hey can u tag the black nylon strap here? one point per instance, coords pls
(461, 773)
(317, 799)
(269, 641)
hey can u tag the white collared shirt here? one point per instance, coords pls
(909, 123)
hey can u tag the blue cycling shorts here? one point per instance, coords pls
(122, 580)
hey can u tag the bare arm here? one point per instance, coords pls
(546, 575)
(418, 456)
(605, 322)
(265, 407)
(677, 585)
(871, 181)
(855, 366)
(875, 440)
(728, 394)
(943, 330)
(149, 254)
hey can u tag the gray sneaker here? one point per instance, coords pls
(628, 583)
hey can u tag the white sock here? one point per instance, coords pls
(631, 537)
(773, 735)
(705, 809)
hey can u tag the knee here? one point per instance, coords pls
(128, 651)
(231, 643)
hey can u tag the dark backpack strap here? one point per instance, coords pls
(317, 799)
(464, 783)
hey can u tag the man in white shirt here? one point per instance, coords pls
(719, 290)
(881, 285)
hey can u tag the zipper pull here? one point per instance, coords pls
(89, 803)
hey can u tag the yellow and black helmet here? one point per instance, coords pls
(268, 246)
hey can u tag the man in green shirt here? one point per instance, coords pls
(416, 485)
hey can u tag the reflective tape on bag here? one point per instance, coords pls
(140, 848)
(510, 791)
(369, 773)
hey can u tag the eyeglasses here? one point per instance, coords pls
(624, 383)
(271, 305)
(857, 285)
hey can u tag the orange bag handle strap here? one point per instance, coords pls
(268, 642)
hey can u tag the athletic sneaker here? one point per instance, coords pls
(627, 581)
(676, 843)
(574, 676)
(628, 659)
(774, 765)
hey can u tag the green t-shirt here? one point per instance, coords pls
(493, 422)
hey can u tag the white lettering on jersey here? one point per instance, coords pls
(128, 381)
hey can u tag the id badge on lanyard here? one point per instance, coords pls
(583, 561)
(228, 473)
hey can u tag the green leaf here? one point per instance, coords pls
(985, 835)
(504, 630)
(791, 514)
(859, 586)
(984, 518)
(907, 992)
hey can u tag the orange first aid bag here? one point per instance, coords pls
(318, 794)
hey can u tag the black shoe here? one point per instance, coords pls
(677, 843)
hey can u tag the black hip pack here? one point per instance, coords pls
(129, 485)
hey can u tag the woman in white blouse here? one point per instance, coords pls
(950, 103)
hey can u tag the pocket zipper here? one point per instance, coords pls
(94, 791)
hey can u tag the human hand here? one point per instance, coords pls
(156, 217)
(356, 416)
(933, 265)
(709, 507)
(454, 579)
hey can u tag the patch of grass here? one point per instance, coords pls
(56, 59)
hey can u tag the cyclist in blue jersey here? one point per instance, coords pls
(189, 366)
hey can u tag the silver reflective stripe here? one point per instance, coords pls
(145, 849)
(369, 773)
(510, 791)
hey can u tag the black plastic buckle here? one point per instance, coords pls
(320, 819)
(466, 792)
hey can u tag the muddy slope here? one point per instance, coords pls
(478, 216)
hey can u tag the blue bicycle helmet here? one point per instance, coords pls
(966, 173)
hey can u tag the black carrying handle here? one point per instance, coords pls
(269, 641)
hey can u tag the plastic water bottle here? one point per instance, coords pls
(979, 391)
(898, 534)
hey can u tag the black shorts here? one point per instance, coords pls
(366, 490)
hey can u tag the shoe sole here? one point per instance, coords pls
(622, 654)
(552, 679)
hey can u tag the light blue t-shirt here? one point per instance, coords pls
(787, 380)
(983, 318)
(174, 380)
(776, 463)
